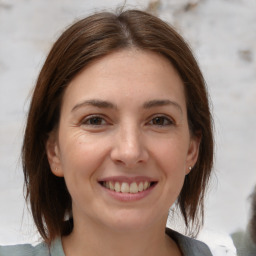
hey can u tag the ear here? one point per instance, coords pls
(193, 152)
(53, 154)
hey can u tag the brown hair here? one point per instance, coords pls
(81, 44)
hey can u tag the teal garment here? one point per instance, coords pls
(188, 246)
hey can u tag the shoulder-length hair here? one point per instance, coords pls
(81, 44)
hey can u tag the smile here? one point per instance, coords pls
(128, 189)
(125, 187)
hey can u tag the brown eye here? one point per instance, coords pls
(161, 121)
(94, 120)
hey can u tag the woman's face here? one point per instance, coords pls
(123, 144)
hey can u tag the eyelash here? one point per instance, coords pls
(166, 121)
(86, 120)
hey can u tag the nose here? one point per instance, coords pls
(129, 148)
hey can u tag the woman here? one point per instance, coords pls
(119, 129)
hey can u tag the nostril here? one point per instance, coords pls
(129, 148)
(129, 159)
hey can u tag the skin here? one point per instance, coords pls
(141, 131)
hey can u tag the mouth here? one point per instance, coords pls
(133, 187)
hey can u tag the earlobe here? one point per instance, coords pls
(53, 155)
(193, 152)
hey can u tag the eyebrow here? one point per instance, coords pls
(95, 103)
(106, 104)
(160, 103)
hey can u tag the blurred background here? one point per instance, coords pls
(222, 34)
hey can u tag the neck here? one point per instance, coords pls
(95, 240)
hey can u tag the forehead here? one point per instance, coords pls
(127, 74)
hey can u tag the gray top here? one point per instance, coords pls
(188, 246)
(28, 250)
(244, 244)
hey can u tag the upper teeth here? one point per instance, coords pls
(124, 187)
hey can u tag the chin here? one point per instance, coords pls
(128, 220)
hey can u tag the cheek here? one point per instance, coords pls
(76, 147)
(171, 160)
(171, 155)
(80, 160)
(80, 157)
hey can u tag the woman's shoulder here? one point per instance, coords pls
(24, 250)
(189, 246)
(29, 250)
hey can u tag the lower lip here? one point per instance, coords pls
(128, 197)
